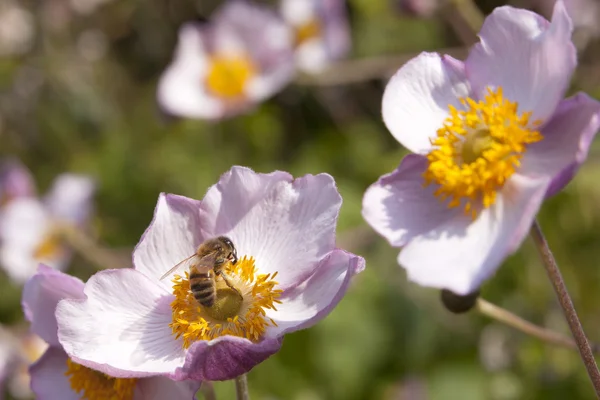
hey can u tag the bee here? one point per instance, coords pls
(206, 265)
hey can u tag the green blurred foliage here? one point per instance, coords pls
(83, 100)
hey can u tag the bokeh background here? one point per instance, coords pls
(77, 94)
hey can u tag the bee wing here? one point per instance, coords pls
(188, 261)
(202, 264)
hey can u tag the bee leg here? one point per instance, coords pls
(228, 283)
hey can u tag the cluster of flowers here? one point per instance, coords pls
(248, 52)
(492, 138)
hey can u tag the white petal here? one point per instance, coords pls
(70, 198)
(461, 254)
(173, 235)
(415, 101)
(161, 388)
(529, 58)
(48, 380)
(290, 229)
(298, 12)
(399, 208)
(309, 302)
(181, 89)
(122, 329)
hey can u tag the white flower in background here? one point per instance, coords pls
(224, 67)
(321, 31)
(16, 29)
(28, 225)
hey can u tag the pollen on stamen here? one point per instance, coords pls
(477, 150)
(194, 322)
(94, 385)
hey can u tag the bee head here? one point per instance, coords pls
(232, 253)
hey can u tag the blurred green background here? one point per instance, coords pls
(80, 97)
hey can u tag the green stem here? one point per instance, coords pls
(241, 387)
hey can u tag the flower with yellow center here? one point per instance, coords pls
(289, 276)
(56, 376)
(239, 312)
(241, 57)
(490, 137)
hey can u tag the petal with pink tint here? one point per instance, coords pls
(461, 253)
(306, 304)
(291, 228)
(181, 88)
(531, 59)
(173, 235)
(48, 379)
(567, 139)
(161, 388)
(122, 328)
(225, 358)
(70, 198)
(399, 207)
(415, 102)
(15, 181)
(41, 294)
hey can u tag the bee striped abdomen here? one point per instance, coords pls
(203, 287)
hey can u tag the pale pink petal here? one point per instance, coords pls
(415, 101)
(173, 235)
(460, 254)
(48, 379)
(399, 208)
(122, 328)
(15, 180)
(70, 198)
(291, 228)
(225, 358)
(41, 294)
(531, 59)
(308, 303)
(567, 138)
(161, 388)
(181, 89)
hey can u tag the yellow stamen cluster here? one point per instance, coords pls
(228, 75)
(478, 149)
(94, 385)
(194, 322)
(51, 247)
(307, 31)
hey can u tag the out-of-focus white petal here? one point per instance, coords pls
(15, 181)
(181, 89)
(415, 101)
(311, 301)
(161, 388)
(531, 59)
(399, 207)
(122, 328)
(461, 253)
(70, 198)
(173, 235)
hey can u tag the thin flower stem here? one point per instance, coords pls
(567, 305)
(208, 391)
(241, 387)
(506, 317)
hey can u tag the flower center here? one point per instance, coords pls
(307, 31)
(478, 149)
(238, 312)
(50, 248)
(94, 385)
(228, 75)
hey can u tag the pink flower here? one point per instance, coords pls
(289, 275)
(238, 59)
(321, 31)
(55, 376)
(28, 224)
(492, 138)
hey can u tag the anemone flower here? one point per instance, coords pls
(288, 276)
(492, 138)
(321, 31)
(56, 376)
(241, 57)
(29, 225)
